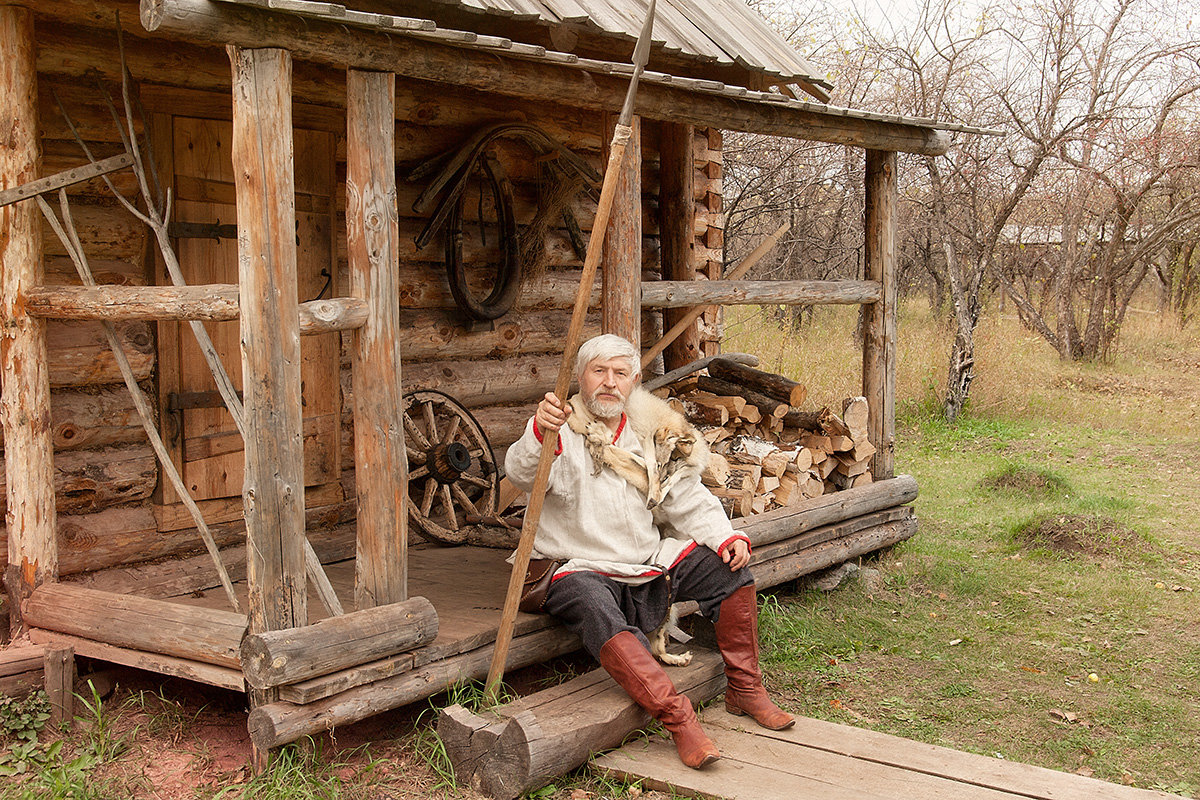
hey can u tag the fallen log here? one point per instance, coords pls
(528, 743)
(275, 658)
(827, 554)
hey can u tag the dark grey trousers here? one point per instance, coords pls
(597, 608)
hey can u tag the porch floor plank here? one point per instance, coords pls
(826, 761)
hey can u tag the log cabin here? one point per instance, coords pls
(252, 413)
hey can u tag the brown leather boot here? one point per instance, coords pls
(630, 664)
(737, 637)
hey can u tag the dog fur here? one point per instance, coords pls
(673, 448)
(658, 641)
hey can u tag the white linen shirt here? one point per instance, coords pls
(601, 523)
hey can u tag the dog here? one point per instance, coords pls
(659, 637)
(673, 448)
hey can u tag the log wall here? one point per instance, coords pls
(105, 481)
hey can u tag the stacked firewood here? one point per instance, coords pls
(765, 451)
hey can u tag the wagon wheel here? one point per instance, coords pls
(451, 467)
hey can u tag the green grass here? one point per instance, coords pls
(981, 628)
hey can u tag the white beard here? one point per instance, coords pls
(605, 410)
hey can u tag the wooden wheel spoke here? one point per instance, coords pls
(430, 422)
(427, 500)
(448, 504)
(419, 472)
(414, 455)
(410, 427)
(475, 480)
(452, 429)
(457, 491)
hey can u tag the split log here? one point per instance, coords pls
(767, 405)
(528, 743)
(856, 414)
(274, 658)
(777, 386)
(189, 632)
(827, 554)
(782, 523)
(274, 724)
(92, 480)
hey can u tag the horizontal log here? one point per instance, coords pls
(680, 294)
(550, 733)
(783, 523)
(183, 631)
(92, 480)
(102, 418)
(779, 387)
(15, 660)
(107, 231)
(194, 575)
(330, 43)
(79, 354)
(274, 724)
(211, 302)
(275, 658)
(769, 406)
(831, 553)
(198, 671)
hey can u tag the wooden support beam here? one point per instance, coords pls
(372, 230)
(270, 334)
(59, 670)
(622, 264)
(25, 399)
(211, 636)
(210, 302)
(203, 21)
(274, 724)
(680, 294)
(275, 658)
(68, 177)
(879, 343)
(677, 242)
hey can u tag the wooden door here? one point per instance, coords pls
(206, 443)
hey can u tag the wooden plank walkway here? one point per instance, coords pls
(825, 761)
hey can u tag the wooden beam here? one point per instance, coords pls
(212, 636)
(25, 399)
(68, 177)
(879, 343)
(328, 43)
(372, 230)
(680, 294)
(677, 241)
(622, 264)
(270, 333)
(211, 302)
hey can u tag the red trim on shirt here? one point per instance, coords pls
(649, 574)
(620, 428)
(731, 540)
(538, 435)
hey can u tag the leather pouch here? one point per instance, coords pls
(537, 583)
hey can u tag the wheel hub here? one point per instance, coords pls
(447, 462)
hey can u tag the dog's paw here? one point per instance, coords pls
(675, 659)
(598, 433)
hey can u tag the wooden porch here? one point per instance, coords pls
(155, 618)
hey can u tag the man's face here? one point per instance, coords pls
(605, 385)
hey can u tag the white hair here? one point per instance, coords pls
(604, 347)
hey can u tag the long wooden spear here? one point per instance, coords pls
(537, 494)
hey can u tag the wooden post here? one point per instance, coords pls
(372, 228)
(25, 401)
(622, 265)
(677, 239)
(270, 337)
(59, 671)
(879, 341)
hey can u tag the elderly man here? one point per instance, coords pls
(624, 563)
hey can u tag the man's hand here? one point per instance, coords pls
(551, 413)
(737, 555)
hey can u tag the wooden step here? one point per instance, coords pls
(817, 760)
(526, 744)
